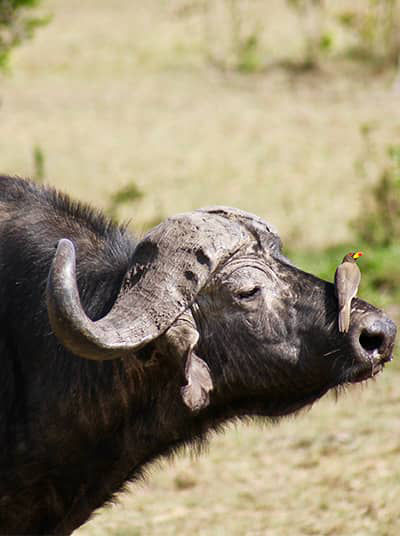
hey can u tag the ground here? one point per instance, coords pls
(113, 92)
(333, 470)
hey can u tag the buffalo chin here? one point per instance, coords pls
(272, 408)
(260, 407)
(365, 372)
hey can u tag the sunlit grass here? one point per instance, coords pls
(328, 471)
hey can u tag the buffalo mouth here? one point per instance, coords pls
(365, 371)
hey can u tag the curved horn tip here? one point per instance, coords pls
(85, 338)
(65, 256)
(65, 246)
(63, 266)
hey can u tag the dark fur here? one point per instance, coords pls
(73, 431)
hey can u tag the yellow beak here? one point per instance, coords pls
(357, 255)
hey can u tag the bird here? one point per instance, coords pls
(347, 279)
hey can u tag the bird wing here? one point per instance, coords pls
(347, 279)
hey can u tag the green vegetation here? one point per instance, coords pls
(375, 30)
(379, 221)
(317, 41)
(236, 35)
(376, 231)
(127, 194)
(380, 281)
(38, 164)
(243, 50)
(16, 25)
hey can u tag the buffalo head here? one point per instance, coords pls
(251, 332)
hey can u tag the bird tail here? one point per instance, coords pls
(344, 318)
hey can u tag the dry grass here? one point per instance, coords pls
(330, 471)
(120, 91)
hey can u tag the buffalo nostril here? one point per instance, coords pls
(373, 338)
(371, 342)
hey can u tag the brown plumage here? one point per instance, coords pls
(347, 279)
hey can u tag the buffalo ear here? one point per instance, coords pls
(195, 393)
(182, 338)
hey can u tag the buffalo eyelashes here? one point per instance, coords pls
(245, 294)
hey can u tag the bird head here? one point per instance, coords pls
(352, 256)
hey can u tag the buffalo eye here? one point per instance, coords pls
(249, 293)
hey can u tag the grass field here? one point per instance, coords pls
(122, 91)
(331, 471)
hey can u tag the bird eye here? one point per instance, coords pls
(244, 294)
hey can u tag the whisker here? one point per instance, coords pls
(331, 352)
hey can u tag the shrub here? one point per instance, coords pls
(378, 223)
(129, 193)
(375, 30)
(16, 25)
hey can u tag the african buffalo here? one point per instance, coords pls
(116, 352)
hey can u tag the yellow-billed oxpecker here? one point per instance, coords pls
(347, 279)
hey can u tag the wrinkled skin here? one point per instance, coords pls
(259, 338)
(263, 306)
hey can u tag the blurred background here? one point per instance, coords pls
(286, 108)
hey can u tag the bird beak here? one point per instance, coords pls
(358, 254)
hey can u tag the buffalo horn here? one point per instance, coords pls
(170, 266)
